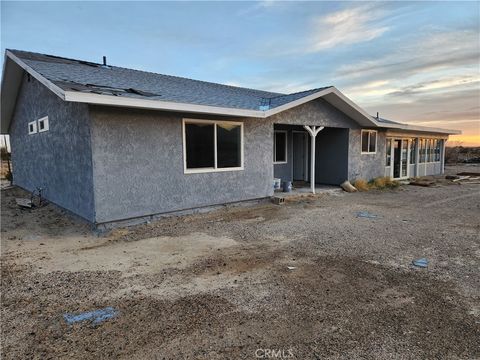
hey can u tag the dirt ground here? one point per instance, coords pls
(219, 286)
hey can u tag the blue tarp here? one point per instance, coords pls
(96, 316)
(423, 263)
(366, 214)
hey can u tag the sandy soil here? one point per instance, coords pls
(218, 286)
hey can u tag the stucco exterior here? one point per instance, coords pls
(109, 164)
(138, 165)
(58, 160)
(365, 166)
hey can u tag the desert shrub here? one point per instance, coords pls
(379, 183)
(393, 184)
(361, 185)
(383, 182)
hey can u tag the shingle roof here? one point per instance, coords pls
(386, 121)
(83, 76)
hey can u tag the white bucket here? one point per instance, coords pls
(277, 183)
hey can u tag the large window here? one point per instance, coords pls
(422, 150)
(438, 145)
(212, 145)
(369, 141)
(280, 147)
(413, 151)
(388, 160)
(430, 150)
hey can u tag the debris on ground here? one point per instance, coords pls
(95, 317)
(366, 214)
(348, 187)
(24, 202)
(423, 263)
(291, 267)
(469, 173)
(421, 182)
(460, 178)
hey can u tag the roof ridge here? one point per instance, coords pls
(150, 72)
(300, 92)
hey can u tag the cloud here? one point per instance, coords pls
(437, 85)
(346, 27)
(419, 54)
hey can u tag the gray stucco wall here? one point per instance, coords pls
(317, 112)
(365, 166)
(138, 165)
(58, 160)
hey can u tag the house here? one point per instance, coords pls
(109, 143)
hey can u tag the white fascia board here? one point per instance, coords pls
(298, 102)
(367, 116)
(421, 129)
(158, 105)
(54, 88)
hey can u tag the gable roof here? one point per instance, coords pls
(88, 82)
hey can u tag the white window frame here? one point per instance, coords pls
(391, 151)
(368, 145)
(215, 168)
(275, 147)
(45, 124)
(34, 124)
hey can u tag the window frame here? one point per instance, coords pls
(215, 168)
(388, 152)
(46, 126)
(368, 145)
(275, 162)
(412, 151)
(35, 129)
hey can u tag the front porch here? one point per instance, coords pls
(303, 153)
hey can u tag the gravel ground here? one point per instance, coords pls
(218, 285)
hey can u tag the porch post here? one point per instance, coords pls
(417, 156)
(442, 156)
(313, 131)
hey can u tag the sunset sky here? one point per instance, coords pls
(415, 62)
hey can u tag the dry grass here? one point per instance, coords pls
(383, 182)
(379, 183)
(361, 185)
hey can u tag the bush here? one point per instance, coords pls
(380, 183)
(361, 185)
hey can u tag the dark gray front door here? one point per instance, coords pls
(299, 156)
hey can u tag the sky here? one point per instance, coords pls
(414, 62)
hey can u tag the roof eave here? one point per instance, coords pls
(13, 70)
(109, 100)
(418, 128)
